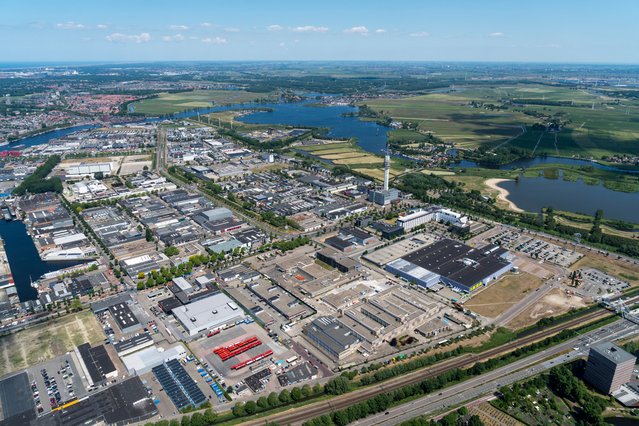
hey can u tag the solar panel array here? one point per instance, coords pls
(178, 385)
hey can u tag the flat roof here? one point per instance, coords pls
(456, 261)
(613, 353)
(123, 315)
(210, 312)
(133, 342)
(332, 332)
(97, 361)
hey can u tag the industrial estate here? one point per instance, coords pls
(215, 243)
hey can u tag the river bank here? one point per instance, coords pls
(503, 193)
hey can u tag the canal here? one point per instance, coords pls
(24, 260)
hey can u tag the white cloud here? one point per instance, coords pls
(214, 40)
(420, 34)
(206, 25)
(176, 37)
(309, 29)
(274, 28)
(70, 26)
(136, 38)
(282, 44)
(357, 30)
(102, 26)
(380, 31)
(232, 30)
(179, 27)
(496, 34)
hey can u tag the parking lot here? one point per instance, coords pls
(55, 383)
(597, 285)
(203, 349)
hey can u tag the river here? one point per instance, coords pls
(24, 260)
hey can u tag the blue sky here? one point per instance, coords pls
(490, 30)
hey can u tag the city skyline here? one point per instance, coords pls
(494, 31)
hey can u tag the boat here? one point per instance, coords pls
(7, 214)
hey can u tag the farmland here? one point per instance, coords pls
(169, 103)
(596, 125)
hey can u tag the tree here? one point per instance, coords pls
(273, 399)
(197, 419)
(171, 251)
(285, 397)
(209, 416)
(474, 420)
(98, 175)
(262, 402)
(337, 386)
(186, 421)
(296, 394)
(239, 409)
(250, 407)
(307, 391)
(148, 235)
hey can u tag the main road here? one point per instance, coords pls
(310, 411)
(488, 383)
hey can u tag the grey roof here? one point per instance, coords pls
(613, 353)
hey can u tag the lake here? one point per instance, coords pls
(24, 260)
(533, 193)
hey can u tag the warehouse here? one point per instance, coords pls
(212, 312)
(461, 267)
(337, 260)
(124, 317)
(332, 337)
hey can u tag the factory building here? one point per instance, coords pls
(433, 213)
(210, 313)
(332, 337)
(609, 367)
(461, 267)
(337, 260)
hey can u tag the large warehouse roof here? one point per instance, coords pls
(211, 312)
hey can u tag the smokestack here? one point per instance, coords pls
(387, 163)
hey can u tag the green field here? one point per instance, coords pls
(596, 124)
(169, 103)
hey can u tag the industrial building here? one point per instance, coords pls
(389, 314)
(332, 337)
(210, 313)
(145, 360)
(433, 213)
(609, 367)
(457, 265)
(337, 260)
(96, 364)
(126, 320)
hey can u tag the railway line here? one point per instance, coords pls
(313, 410)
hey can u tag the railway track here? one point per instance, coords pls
(313, 410)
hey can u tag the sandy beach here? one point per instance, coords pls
(503, 193)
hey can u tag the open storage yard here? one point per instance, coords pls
(503, 294)
(38, 344)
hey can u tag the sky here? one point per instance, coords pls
(581, 31)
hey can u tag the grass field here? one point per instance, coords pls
(503, 294)
(46, 341)
(597, 124)
(169, 103)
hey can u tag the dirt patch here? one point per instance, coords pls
(503, 294)
(48, 340)
(556, 302)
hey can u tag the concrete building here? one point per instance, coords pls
(88, 170)
(332, 337)
(337, 260)
(609, 367)
(145, 360)
(383, 197)
(210, 313)
(457, 265)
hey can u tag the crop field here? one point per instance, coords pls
(597, 124)
(46, 341)
(169, 103)
(492, 416)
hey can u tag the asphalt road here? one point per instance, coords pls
(489, 382)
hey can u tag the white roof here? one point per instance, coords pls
(69, 239)
(182, 283)
(144, 360)
(211, 312)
